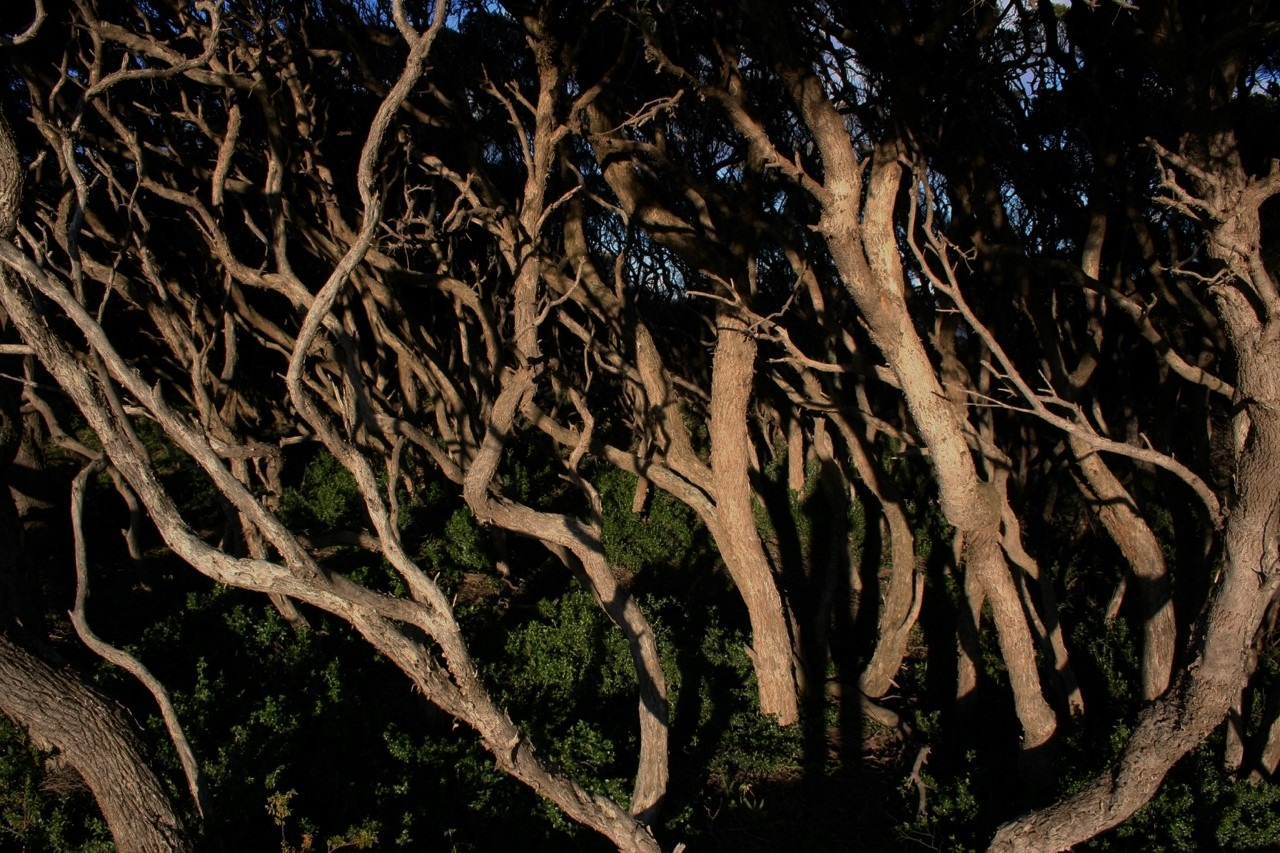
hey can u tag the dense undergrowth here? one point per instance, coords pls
(309, 741)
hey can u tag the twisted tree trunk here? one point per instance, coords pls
(1248, 303)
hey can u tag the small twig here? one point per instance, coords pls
(917, 779)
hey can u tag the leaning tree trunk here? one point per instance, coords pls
(60, 713)
(721, 495)
(1131, 533)
(728, 515)
(1248, 302)
(1202, 695)
(904, 593)
(1119, 514)
(861, 236)
(735, 531)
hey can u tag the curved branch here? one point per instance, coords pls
(1037, 403)
(30, 32)
(123, 659)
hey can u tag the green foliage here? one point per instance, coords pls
(43, 808)
(460, 546)
(529, 476)
(666, 536)
(310, 737)
(1200, 807)
(279, 807)
(1111, 651)
(571, 664)
(327, 498)
(954, 810)
(750, 749)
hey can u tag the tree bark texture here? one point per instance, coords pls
(732, 373)
(60, 713)
(721, 494)
(864, 249)
(903, 594)
(56, 709)
(458, 691)
(1248, 303)
(721, 232)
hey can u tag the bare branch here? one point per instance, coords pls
(213, 10)
(120, 658)
(30, 32)
(1038, 403)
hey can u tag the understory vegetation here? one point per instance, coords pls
(310, 742)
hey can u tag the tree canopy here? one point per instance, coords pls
(640, 423)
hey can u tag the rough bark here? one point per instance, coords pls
(864, 249)
(903, 595)
(60, 713)
(1202, 694)
(1111, 500)
(721, 494)
(57, 710)
(733, 370)
(968, 642)
(459, 691)
(96, 391)
(1248, 303)
(724, 494)
(1048, 628)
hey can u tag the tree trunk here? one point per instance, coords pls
(1202, 695)
(730, 521)
(60, 713)
(1200, 700)
(1129, 530)
(860, 232)
(735, 532)
(863, 244)
(968, 645)
(1049, 627)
